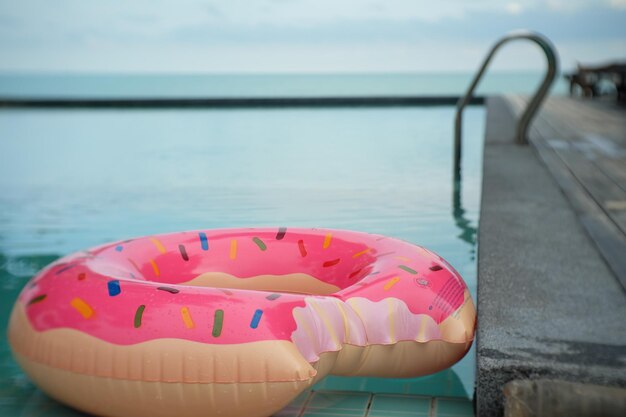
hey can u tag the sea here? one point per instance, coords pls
(118, 85)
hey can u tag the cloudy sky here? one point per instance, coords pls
(299, 35)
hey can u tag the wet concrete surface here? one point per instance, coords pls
(548, 304)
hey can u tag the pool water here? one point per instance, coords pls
(72, 179)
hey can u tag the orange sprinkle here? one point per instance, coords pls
(327, 240)
(184, 312)
(82, 307)
(158, 244)
(363, 252)
(393, 281)
(155, 267)
(233, 249)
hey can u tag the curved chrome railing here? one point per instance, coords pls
(532, 107)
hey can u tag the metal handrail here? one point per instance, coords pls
(532, 107)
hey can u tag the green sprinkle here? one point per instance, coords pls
(139, 315)
(37, 299)
(259, 243)
(217, 323)
(407, 269)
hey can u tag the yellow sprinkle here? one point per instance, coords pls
(393, 281)
(233, 249)
(327, 240)
(187, 318)
(363, 252)
(403, 258)
(155, 267)
(158, 244)
(82, 307)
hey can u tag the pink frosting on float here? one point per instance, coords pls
(365, 267)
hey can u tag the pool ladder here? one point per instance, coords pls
(532, 107)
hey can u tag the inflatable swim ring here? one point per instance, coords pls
(235, 322)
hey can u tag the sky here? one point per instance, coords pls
(301, 36)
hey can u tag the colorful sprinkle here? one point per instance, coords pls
(204, 242)
(272, 297)
(301, 248)
(407, 269)
(256, 318)
(155, 267)
(225, 291)
(331, 263)
(158, 244)
(436, 268)
(65, 269)
(114, 287)
(82, 307)
(355, 273)
(169, 289)
(37, 299)
(218, 321)
(281, 233)
(184, 312)
(119, 248)
(82, 276)
(327, 240)
(393, 281)
(259, 243)
(183, 252)
(138, 316)
(363, 252)
(233, 249)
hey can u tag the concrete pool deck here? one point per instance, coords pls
(550, 300)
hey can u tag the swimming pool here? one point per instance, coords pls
(71, 179)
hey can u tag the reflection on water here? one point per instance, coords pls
(468, 231)
(75, 179)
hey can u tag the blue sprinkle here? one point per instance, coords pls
(203, 241)
(119, 248)
(256, 319)
(114, 287)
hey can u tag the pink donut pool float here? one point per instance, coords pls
(235, 322)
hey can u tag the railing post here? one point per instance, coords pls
(531, 109)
